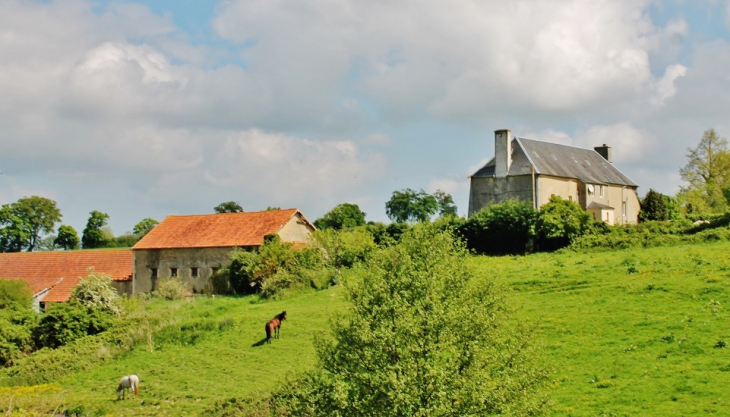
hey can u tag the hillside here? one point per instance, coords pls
(628, 332)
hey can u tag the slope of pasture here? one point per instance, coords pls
(629, 332)
(640, 332)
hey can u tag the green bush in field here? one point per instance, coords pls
(501, 228)
(424, 337)
(17, 320)
(172, 289)
(561, 222)
(96, 292)
(63, 323)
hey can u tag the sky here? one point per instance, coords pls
(151, 108)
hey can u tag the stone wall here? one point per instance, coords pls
(489, 190)
(181, 262)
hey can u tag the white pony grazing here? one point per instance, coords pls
(127, 382)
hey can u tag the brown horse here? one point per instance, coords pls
(274, 325)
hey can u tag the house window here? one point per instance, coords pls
(194, 271)
(623, 208)
(153, 273)
(570, 198)
(601, 191)
(173, 272)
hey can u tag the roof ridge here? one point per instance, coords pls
(556, 144)
(240, 212)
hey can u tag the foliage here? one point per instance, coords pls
(657, 206)
(342, 249)
(228, 207)
(15, 293)
(143, 227)
(172, 289)
(63, 323)
(67, 238)
(93, 235)
(446, 204)
(270, 208)
(411, 206)
(707, 174)
(421, 339)
(96, 292)
(343, 216)
(501, 228)
(17, 320)
(22, 222)
(126, 240)
(560, 222)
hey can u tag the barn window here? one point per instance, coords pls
(194, 271)
(173, 272)
(153, 273)
(215, 269)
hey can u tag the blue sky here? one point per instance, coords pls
(151, 108)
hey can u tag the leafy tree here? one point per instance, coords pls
(144, 227)
(344, 216)
(17, 320)
(23, 222)
(63, 323)
(424, 337)
(228, 207)
(560, 222)
(67, 238)
(269, 208)
(93, 235)
(501, 228)
(447, 207)
(657, 206)
(707, 174)
(411, 206)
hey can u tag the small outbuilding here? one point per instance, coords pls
(193, 247)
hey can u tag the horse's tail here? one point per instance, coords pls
(135, 381)
(268, 331)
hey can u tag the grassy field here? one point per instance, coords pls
(640, 332)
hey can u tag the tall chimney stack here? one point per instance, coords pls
(502, 152)
(605, 152)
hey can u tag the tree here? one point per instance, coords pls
(409, 205)
(143, 227)
(93, 235)
(228, 207)
(657, 206)
(560, 222)
(67, 238)
(447, 207)
(23, 222)
(707, 174)
(424, 337)
(270, 208)
(343, 216)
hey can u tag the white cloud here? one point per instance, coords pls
(628, 144)
(665, 87)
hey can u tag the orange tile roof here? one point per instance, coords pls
(216, 230)
(61, 271)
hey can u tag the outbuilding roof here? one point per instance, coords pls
(556, 160)
(217, 230)
(59, 272)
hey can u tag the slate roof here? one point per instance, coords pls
(61, 271)
(217, 230)
(556, 160)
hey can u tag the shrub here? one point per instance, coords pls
(173, 289)
(501, 228)
(63, 323)
(96, 292)
(343, 249)
(15, 294)
(561, 222)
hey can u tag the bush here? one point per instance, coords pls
(15, 293)
(173, 289)
(561, 222)
(17, 320)
(407, 347)
(63, 323)
(96, 292)
(504, 228)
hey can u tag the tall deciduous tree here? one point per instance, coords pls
(228, 207)
(93, 235)
(707, 174)
(345, 215)
(144, 227)
(411, 206)
(657, 206)
(447, 207)
(424, 337)
(24, 221)
(67, 238)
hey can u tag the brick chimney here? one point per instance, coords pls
(605, 152)
(502, 152)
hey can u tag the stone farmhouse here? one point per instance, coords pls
(194, 247)
(52, 275)
(189, 247)
(533, 171)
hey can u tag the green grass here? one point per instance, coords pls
(634, 332)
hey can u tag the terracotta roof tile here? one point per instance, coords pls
(216, 230)
(61, 271)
